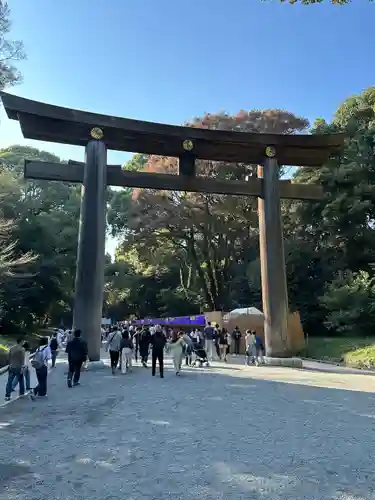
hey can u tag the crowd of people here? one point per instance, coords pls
(21, 362)
(126, 342)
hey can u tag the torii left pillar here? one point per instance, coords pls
(89, 283)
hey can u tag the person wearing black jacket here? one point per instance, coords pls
(54, 346)
(236, 335)
(144, 342)
(77, 354)
(158, 342)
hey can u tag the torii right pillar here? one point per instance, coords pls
(272, 258)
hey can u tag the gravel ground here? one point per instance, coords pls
(220, 433)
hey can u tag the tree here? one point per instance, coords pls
(140, 287)
(136, 163)
(350, 300)
(10, 50)
(323, 239)
(213, 236)
(46, 218)
(10, 264)
(213, 240)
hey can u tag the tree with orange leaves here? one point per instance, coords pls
(212, 234)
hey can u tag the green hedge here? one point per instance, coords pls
(353, 351)
(3, 355)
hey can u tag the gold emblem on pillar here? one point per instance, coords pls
(188, 145)
(97, 133)
(270, 152)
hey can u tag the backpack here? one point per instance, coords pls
(110, 339)
(38, 360)
(53, 344)
(259, 343)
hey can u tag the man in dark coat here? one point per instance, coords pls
(236, 336)
(77, 354)
(158, 342)
(144, 342)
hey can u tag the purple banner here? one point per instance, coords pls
(198, 320)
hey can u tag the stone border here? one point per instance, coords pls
(283, 362)
(343, 365)
(94, 366)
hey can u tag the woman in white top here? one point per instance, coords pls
(175, 346)
(250, 341)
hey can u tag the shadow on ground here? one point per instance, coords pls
(217, 433)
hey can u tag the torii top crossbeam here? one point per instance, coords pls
(70, 126)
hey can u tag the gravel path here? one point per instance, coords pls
(219, 433)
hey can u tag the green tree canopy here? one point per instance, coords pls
(10, 50)
(210, 238)
(45, 218)
(210, 243)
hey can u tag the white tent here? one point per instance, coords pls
(242, 311)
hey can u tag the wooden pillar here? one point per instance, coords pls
(186, 165)
(91, 247)
(274, 286)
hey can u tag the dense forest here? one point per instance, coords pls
(182, 253)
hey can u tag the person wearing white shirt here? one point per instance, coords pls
(27, 369)
(59, 334)
(65, 336)
(40, 363)
(102, 333)
(59, 337)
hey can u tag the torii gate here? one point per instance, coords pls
(100, 132)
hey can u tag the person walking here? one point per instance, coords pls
(158, 341)
(250, 343)
(144, 343)
(54, 346)
(126, 352)
(176, 348)
(236, 336)
(136, 338)
(229, 346)
(26, 371)
(69, 336)
(209, 337)
(60, 336)
(15, 370)
(40, 363)
(76, 350)
(114, 348)
(223, 344)
(188, 348)
(259, 350)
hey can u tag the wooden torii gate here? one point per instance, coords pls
(97, 133)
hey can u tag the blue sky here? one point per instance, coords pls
(170, 60)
